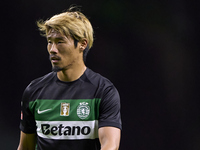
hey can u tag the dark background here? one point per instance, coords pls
(149, 49)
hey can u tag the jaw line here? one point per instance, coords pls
(57, 69)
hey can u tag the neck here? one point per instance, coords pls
(71, 74)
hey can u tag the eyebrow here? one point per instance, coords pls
(56, 38)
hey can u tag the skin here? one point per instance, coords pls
(109, 138)
(70, 58)
(63, 54)
(27, 141)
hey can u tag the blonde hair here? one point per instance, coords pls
(69, 23)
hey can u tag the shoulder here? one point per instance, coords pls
(38, 83)
(97, 79)
(42, 80)
(103, 85)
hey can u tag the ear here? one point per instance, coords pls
(83, 44)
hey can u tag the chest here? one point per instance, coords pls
(74, 102)
(76, 90)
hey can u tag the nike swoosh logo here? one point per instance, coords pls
(42, 111)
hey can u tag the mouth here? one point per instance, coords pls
(54, 58)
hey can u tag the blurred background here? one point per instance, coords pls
(149, 49)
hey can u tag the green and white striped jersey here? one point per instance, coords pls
(67, 115)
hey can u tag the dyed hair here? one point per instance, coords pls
(70, 23)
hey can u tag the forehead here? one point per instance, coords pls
(55, 34)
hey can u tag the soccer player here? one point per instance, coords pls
(72, 107)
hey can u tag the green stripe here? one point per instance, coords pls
(53, 109)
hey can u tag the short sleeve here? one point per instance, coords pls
(27, 123)
(109, 111)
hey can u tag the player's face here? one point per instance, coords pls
(63, 54)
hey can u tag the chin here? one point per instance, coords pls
(56, 68)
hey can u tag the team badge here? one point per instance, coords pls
(83, 110)
(64, 109)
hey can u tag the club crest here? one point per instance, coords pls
(83, 110)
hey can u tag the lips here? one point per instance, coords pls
(54, 58)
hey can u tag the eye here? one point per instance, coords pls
(49, 41)
(59, 42)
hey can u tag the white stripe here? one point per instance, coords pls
(67, 129)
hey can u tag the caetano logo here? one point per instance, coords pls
(64, 109)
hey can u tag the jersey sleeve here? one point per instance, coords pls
(27, 123)
(109, 112)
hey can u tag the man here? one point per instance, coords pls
(72, 107)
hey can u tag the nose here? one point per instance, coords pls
(53, 49)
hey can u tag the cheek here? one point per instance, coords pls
(65, 51)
